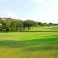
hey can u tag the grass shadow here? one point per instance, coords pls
(29, 43)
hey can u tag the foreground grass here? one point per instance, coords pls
(29, 45)
(27, 35)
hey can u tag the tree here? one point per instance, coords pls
(50, 24)
(13, 25)
(19, 25)
(28, 23)
(39, 23)
(57, 24)
(45, 24)
(5, 27)
(16, 25)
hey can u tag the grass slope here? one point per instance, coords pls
(29, 45)
(27, 35)
(45, 28)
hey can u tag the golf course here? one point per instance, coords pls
(30, 44)
(28, 28)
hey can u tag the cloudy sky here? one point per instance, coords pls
(38, 10)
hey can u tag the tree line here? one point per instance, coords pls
(9, 24)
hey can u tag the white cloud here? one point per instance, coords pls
(39, 1)
(12, 15)
(8, 14)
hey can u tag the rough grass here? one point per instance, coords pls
(44, 48)
(29, 45)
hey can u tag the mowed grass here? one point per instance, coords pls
(45, 28)
(29, 45)
(27, 35)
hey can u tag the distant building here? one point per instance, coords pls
(0, 24)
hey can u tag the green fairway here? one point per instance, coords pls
(27, 35)
(29, 44)
(45, 28)
(28, 28)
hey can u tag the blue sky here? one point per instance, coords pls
(37, 10)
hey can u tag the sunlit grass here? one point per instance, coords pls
(27, 35)
(45, 28)
(29, 44)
